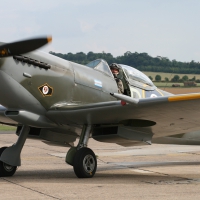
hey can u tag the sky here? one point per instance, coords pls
(167, 28)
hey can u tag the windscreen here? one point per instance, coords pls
(100, 65)
(93, 63)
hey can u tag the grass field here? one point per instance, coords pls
(181, 90)
(169, 84)
(7, 128)
(170, 75)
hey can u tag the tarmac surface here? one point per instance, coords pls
(140, 172)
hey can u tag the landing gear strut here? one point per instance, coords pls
(10, 156)
(82, 158)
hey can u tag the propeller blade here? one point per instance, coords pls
(24, 46)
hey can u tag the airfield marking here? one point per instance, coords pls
(141, 171)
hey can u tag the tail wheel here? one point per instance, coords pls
(85, 163)
(5, 169)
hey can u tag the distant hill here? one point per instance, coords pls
(141, 61)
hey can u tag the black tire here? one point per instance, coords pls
(2, 149)
(6, 170)
(85, 163)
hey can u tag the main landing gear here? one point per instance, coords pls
(5, 169)
(82, 158)
(10, 156)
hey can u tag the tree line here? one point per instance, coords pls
(176, 78)
(140, 61)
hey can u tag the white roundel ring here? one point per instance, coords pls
(45, 89)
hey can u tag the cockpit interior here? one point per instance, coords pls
(130, 77)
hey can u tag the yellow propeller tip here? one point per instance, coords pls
(49, 39)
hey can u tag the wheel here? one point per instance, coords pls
(5, 169)
(85, 163)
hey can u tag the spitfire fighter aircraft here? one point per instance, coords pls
(58, 101)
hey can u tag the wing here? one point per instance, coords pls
(161, 116)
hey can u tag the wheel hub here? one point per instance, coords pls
(7, 167)
(89, 163)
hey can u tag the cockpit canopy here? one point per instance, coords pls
(134, 77)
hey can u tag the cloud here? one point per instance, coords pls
(85, 26)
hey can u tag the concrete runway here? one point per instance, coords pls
(141, 172)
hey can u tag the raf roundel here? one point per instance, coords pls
(46, 90)
(153, 96)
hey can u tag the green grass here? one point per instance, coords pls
(169, 84)
(170, 75)
(7, 128)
